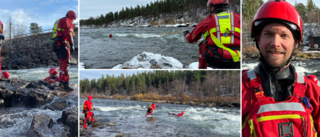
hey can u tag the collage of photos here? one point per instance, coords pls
(160, 68)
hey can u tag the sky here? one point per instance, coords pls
(316, 2)
(94, 8)
(91, 74)
(42, 12)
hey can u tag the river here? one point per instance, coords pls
(16, 121)
(98, 51)
(129, 118)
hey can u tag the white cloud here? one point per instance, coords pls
(19, 16)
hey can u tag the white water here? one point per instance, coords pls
(16, 121)
(304, 67)
(197, 121)
(41, 73)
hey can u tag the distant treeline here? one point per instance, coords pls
(198, 84)
(154, 9)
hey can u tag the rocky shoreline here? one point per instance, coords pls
(251, 53)
(41, 95)
(190, 103)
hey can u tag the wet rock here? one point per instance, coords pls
(111, 123)
(123, 135)
(58, 104)
(70, 120)
(40, 126)
(1, 102)
(28, 93)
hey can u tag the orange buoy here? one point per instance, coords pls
(110, 35)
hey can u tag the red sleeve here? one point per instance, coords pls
(46, 79)
(200, 29)
(245, 96)
(313, 93)
(57, 79)
(67, 26)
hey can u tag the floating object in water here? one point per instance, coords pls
(110, 35)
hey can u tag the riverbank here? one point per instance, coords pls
(252, 53)
(169, 99)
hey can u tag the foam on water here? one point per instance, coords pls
(208, 121)
(41, 73)
(18, 123)
(300, 66)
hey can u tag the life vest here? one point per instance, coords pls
(56, 29)
(225, 34)
(289, 118)
(86, 108)
(1, 29)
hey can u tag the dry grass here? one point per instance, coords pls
(250, 49)
(154, 97)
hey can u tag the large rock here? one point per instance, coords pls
(40, 126)
(70, 120)
(58, 104)
(16, 92)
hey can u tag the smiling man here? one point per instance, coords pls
(276, 100)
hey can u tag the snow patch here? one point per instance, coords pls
(81, 65)
(147, 60)
(195, 65)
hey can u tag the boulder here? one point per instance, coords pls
(70, 120)
(15, 92)
(123, 135)
(40, 126)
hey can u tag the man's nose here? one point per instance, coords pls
(276, 41)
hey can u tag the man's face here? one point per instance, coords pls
(276, 44)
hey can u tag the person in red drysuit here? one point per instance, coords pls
(151, 108)
(1, 38)
(65, 41)
(87, 110)
(222, 44)
(179, 115)
(277, 100)
(53, 78)
(5, 75)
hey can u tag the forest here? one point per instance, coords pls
(155, 9)
(177, 84)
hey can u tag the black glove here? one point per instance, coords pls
(186, 32)
(71, 48)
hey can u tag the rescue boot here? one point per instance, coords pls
(66, 87)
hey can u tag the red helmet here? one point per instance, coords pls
(215, 2)
(182, 112)
(71, 14)
(313, 78)
(5, 74)
(277, 11)
(89, 97)
(53, 71)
